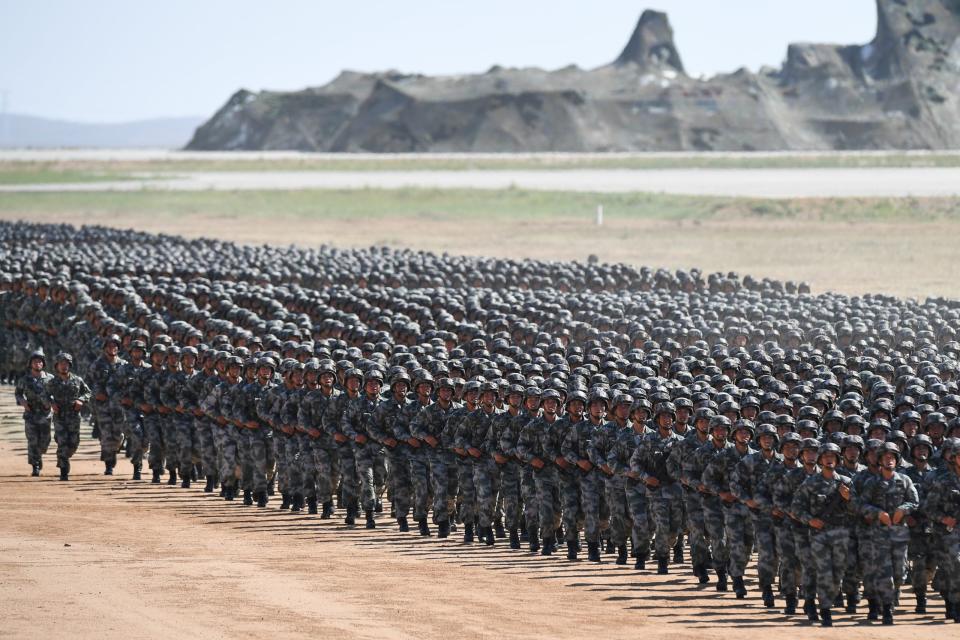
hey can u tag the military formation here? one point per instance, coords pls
(555, 407)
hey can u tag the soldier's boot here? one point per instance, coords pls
(826, 618)
(549, 546)
(65, 473)
(534, 545)
(524, 536)
(641, 563)
(156, 477)
(490, 539)
(678, 551)
(296, 505)
(947, 606)
(768, 600)
(351, 518)
(443, 529)
(610, 547)
(593, 551)
(216, 480)
(467, 533)
(262, 499)
(208, 488)
(791, 607)
(498, 529)
(136, 472)
(700, 572)
(371, 523)
(196, 472)
(378, 507)
(172, 480)
(248, 497)
(721, 581)
(35, 470)
(873, 612)
(852, 601)
(423, 528)
(887, 614)
(514, 539)
(312, 506)
(571, 550)
(327, 510)
(285, 500)
(107, 469)
(270, 487)
(921, 602)
(223, 491)
(185, 481)
(810, 608)
(956, 612)
(663, 567)
(402, 525)
(229, 493)
(739, 588)
(838, 601)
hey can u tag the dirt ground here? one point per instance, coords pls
(104, 558)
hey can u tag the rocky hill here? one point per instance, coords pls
(900, 91)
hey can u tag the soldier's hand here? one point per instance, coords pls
(586, 465)
(702, 488)
(101, 397)
(315, 433)
(251, 424)
(77, 405)
(950, 522)
(361, 439)
(561, 462)
(413, 442)
(844, 491)
(339, 437)
(817, 523)
(430, 440)
(55, 408)
(753, 504)
(911, 521)
(221, 420)
(474, 452)
(26, 406)
(390, 442)
(537, 463)
(651, 482)
(884, 518)
(607, 469)
(726, 496)
(127, 402)
(777, 513)
(499, 459)
(898, 516)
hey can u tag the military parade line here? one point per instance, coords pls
(552, 406)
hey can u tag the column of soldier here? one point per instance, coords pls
(632, 412)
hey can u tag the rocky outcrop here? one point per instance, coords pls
(900, 91)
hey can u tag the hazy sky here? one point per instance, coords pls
(106, 61)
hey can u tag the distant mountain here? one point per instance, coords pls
(899, 91)
(22, 131)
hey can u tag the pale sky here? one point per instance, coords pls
(113, 60)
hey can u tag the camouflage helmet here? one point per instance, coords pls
(63, 356)
(829, 447)
(890, 447)
(38, 354)
(788, 438)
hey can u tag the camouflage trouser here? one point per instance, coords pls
(186, 444)
(399, 474)
(789, 558)
(640, 530)
(171, 445)
(950, 565)
(766, 541)
(666, 506)
(66, 431)
(38, 439)
(713, 516)
(596, 512)
(528, 492)
(885, 556)
(294, 469)
(808, 566)
(232, 442)
(322, 462)
(303, 459)
(260, 460)
(616, 494)
(133, 432)
(207, 445)
(279, 445)
(699, 546)
(111, 432)
(380, 473)
(349, 477)
(861, 538)
(486, 482)
(468, 491)
(365, 456)
(419, 470)
(739, 534)
(829, 549)
(548, 500)
(852, 574)
(436, 464)
(922, 560)
(572, 516)
(510, 490)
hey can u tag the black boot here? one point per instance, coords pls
(791, 607)
(262, 499)
(35, 470)
(312, 506)
(826, 618)
(947, 607)
(524, 536)
(887, 614)
(610, 547)
(136, 472)
(956, 612)
(64, 473)
(327, 512)
(810, 608)
(378, 506)
(767, 596)
(571, 550)
(873, 611)
(641, 563)
(402, 525)
(549, 546)
(498, 529)
(558, 533)
(423, 528)
(468, 533)
(534, 545)
(593, 551)
(663, 567)
(107, 469)
(721, 581)
(284, 500)
(185, 482)
(678, 552)
(208, 488)
(172, 479)
(156, 477)
(296, 505)
(852, 601)
(248, 497)
(838, 601)
(351, 518)
(622, 554)
(371, 523)
(921, 603)
(229, 493)
(270, 489)
(739, 588)
(443, 529)
(491, 538)
(514, 539)
(700, 572)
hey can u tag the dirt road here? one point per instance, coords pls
(105, 558)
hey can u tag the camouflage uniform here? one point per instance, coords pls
(624, 447)
(541, 439)
(943, 500)
(31, 393)
(108, 416)
(571, 511)
(746, 484)
(153, 379)
(332, 421)
(257, 455)
(125, 389)
(473, 433)
(216, 406)
(63, 393)
(185, 401)
(682, 464)
(885, 552)
(713, 511)
(576, 448)
(649, 462)
(922, 559)
(438, 461)
(415, 463)
(503, 441)
(463, 482)
(356, 421)
(796, 554)
(318, 450)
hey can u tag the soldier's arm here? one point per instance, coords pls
(911, 499)
(84, 392)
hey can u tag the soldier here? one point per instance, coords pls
(601, 447)
(473, 434)
(382, 427)
(165, 386)
(922, 558)
(942, 509)
(576, 450)
(184, 395)
(107, 415)
(200, 387)
(125, 390)
(713, 511)
(68, 394)
(150, 400)
(567, 473)
(318, 449)
(501, 446)
(628, 440)
(438, 459)
(681, 464)
(419, 469)
(332, 425)
(356, 425)
(773, 499)
(467, 491)
(31, 395)
(536, 447)
(826, 502)
(217, 408)
(889, 498)
(253, 413)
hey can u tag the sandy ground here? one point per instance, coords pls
(758, 183)
(108, 558)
